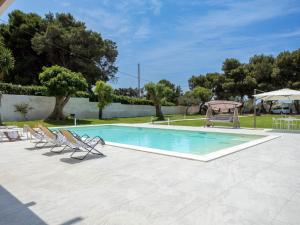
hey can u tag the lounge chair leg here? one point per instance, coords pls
(96, 152)
(55, 146)
(75, 150)
(88, 151)
(38, 143)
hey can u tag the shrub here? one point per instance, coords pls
(15, 89)
(23, 109)
(131, 100)
(81, 94)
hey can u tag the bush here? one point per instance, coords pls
(15, 89)
(131, 100)
(165, 103)
(137, 101)
(81, 94)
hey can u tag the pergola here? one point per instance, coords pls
(282, 94)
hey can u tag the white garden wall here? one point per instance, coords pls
(43, 106)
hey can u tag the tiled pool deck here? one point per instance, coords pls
(259, 185)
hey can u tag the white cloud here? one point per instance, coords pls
(294, 33)
(126, 21)
(156, 6)
(142, 32)
(236, 14)
(188, 43)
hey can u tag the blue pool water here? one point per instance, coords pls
(194, 142)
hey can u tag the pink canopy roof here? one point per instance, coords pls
(223, 104)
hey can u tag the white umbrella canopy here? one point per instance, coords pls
(282, 94)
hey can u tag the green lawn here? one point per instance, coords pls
(264, 121)
(52, 123)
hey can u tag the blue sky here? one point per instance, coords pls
(177, 39)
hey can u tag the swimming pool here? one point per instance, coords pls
(181, 143)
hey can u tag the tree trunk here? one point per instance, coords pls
(271, 104)
(262, 107)
(200, 108)
(159, 113)
(1, 76)
(187, 109)
(60, 102)
(100, 114)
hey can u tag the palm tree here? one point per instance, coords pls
(7, 61)
(157, 94)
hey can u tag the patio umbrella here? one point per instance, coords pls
(282, 94)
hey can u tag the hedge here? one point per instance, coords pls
(131, 100)
(15, 89)
(137, 101)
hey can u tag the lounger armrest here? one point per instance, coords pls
(96, 139)
(80, 136)
(84, 136)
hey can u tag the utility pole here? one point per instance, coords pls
(139, 80)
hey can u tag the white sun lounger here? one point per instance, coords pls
(77, 143)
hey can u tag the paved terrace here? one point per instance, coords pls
(259, 185)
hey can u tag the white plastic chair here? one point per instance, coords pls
(276, 123)
(291, 124)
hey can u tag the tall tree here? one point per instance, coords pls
(238, 81)
(260, 68)
(212, 81)
(287, 69)
(104, 93)
(7, 61)
(188, 99)
(61, 83)
(174, 94)
(157, 94)
(67, 42)
(229, 65)
(203, 95)
(17, 35)
(131, 92)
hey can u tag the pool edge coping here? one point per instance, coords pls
(204, 158)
